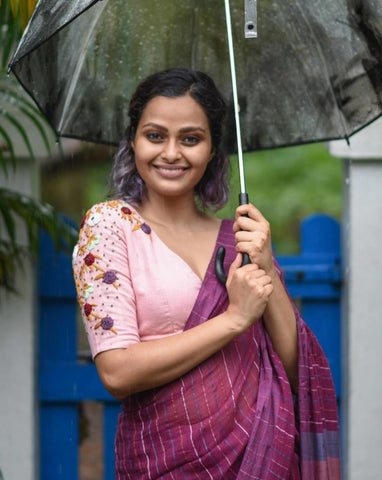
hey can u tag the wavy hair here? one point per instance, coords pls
(212, 190)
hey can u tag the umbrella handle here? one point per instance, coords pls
(220, 254)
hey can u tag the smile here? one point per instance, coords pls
(170, 171)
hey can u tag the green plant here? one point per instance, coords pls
(15, 107)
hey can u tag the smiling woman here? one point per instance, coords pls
(205, 372)
(172, 142)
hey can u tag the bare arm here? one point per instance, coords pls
(280, 322)
(253, 236)
(150, 364)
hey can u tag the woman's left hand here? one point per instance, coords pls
(253, 236)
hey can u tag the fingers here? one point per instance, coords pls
(235, 265)
(250, 275)
(251, 211)
(253, 236)
(253, 276)
(254, 221)
(249, 289)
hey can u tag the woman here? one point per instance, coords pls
(205, 372)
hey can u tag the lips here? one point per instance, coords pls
(170, 171)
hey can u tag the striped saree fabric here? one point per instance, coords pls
(234, 416)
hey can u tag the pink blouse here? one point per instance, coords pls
(131, 287)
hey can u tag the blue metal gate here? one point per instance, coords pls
(66, 379)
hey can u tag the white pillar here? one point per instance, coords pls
(18, 400)
(362, 317)
(19, 439)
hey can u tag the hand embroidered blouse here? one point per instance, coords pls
(131, 287)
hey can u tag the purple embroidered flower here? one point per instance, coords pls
(146, 228)
(109, 277)
(107, 323)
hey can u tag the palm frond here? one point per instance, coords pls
(10, 32)
(15, 110)
(17, 114)
(34, 215)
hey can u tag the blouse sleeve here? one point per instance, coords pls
(103, 281)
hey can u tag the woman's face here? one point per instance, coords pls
(172, 146)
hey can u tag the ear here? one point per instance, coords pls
(132, 142)
(212, 154)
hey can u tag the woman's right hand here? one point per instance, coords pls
(249, 289)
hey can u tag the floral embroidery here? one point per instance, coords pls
(107, 324)
(126, 211)
(109, 277)
(88, 258)
(93, 242)
(74, 254)
(146, 228)
(94, 218)
(129, 214)
(88, 310)
(89, 261)
(83, 222)
(89, 264)
(88, 290)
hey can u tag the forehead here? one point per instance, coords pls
(175, 110)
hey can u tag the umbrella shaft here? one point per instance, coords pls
(235, 96)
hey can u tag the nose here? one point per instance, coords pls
(171, 150)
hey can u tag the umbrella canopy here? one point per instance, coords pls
(314, 73)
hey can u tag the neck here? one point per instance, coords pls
(172, 212)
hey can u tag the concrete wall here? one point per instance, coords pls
(18, 401)
(362, 318)
(18, 322)
(363, 322)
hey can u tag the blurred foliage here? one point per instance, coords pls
(16, 110)
(287, 185)
(34, 215)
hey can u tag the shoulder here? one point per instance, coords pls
(114, 212)
(107, 224)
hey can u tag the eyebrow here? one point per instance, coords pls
(191, 128)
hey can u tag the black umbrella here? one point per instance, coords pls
(314, 73)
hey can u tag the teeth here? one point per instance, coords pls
(170, 169)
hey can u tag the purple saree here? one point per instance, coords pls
(233, 417)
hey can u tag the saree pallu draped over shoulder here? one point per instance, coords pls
(233, 417)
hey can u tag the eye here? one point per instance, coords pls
(191, 140)
(154, 136)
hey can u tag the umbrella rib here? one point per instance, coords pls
(322, 57)
(78, 68)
